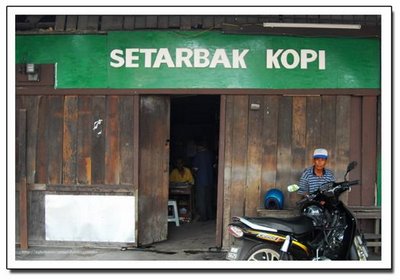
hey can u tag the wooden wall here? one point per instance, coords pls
(270, 147)
(263, 149)
(63, 146)
(65, 153)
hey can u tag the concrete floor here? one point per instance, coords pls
(189, 241)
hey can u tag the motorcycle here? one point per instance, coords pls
(325, 230)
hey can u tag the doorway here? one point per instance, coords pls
(194, 126)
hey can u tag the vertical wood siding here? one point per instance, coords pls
(264, 149)
(270, 147)
(63, 148)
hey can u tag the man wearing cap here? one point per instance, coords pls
(315, 176)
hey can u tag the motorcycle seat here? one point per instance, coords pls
(296, 225)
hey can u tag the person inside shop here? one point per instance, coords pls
(181, 174)
(315, 176)
(203, 170)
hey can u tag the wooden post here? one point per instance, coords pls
(23, 202)
(136, 151)
(221, 165)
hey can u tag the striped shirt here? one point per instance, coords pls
(310, 182)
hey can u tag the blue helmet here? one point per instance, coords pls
(273, 199)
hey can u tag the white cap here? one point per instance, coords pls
(320, 153)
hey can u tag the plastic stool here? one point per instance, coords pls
(175, 217)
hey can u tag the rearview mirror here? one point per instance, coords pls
(351, 166)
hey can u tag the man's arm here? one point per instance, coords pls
(303, 184)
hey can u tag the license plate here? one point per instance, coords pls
(232, 254)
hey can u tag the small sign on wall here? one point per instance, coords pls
(90, 218)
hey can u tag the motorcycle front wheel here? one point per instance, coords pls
(263, 252)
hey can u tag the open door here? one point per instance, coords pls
(153, 168)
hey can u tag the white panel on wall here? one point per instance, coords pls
(91, 218)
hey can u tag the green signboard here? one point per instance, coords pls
(176, 59)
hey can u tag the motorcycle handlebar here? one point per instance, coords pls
(312, 195)
(301, 201)
(355, 182)
(350, 183)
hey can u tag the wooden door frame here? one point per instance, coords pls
(136, 150)
(221, 164)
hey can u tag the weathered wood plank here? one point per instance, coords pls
(111, 22)
(208, 22)
(140, 22)
(174, 21)
(70, 139)
(313, 134)
(71, 23)
(360, 212)
(151, 21)
(20, 102)
(285, 213)
(369, 112)
(162, 22)
(197, 21)
(36, 216)
(88, 23)
(284, 151)
(254, 156)
(229, 19)
(154, 158)
(55, 147)
(126, 115)
(129, 22)
(220, 181)
(20, 105)
(112, 148)
(298, 144)
(342, 152)
(186, 22)
(42, 141)
(136, 141)
(218, 21)
(98, 139)
(120, 188)
(239, 157)
(270, 141)
(84, 160)
(21, 168)
(17, 231)
(83, 23)
(60, 23)
(228, 153)
(355, 148)
(32, 107)
(368, 213)
(93, 23)
(328, 127)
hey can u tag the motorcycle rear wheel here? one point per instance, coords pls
(263, 252)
